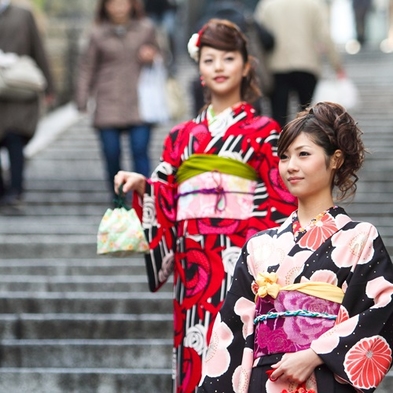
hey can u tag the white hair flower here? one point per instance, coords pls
(193, 46)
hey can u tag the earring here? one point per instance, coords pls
(203, 83)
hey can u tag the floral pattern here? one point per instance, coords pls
(368, 361)
(356, 348)
(202, 251)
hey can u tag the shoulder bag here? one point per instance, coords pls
(20, 77)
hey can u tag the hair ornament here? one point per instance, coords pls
(194, 44)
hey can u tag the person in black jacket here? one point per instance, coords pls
(163, 13)
(20, 35)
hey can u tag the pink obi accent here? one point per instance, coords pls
(291, 333)
(215, 195)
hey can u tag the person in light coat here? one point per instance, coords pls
(121, 41)
(301, 39)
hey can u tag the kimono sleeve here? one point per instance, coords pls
(229, 356)
(157, 211)
(358, 349)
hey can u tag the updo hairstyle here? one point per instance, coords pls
(331, 127)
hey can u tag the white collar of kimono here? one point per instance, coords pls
(218, 124)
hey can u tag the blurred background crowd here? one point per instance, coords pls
(65, 25)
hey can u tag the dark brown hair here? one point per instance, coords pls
(331, 127)
(137, 11)
(224, 35)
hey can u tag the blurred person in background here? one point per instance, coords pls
(163, 13)
(361, 9)
(120, 43)
(301, 37)
(18, 119)
(216, 185)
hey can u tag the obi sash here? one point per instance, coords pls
(215, 187)
(200, 163)
(294, 316)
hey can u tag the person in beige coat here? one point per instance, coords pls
(301, 39)
(121, 41)
(18, 119)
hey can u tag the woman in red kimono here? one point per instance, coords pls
(310, 308)
(217, 184)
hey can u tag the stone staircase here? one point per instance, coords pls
(74, 322)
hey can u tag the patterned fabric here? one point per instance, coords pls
(356, 350)
(213, 194)
(202, 252)
(292, 332)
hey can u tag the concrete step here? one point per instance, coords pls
(92, 283)
(85, 302)
(131, 353)
(75, 380)
(85, 326)
(73, 267)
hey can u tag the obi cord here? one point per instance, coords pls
(197, 164)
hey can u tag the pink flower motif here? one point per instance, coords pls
(241, 376)
(318, 233)
(354, 246)
(342, 220)
(330, 339)
(306, 329)
(264, 251)
(217, 357)
(291, 267)
(380, 290)
(367, 362)
(277, 340)
(323, 275)
(342, 315)
(246, 311)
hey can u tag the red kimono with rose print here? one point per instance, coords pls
(356, 348)
(202, 251)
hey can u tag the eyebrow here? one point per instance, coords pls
(301, 147)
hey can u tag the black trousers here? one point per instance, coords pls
(302, 83)
(14, 144)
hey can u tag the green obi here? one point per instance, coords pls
(201, 163)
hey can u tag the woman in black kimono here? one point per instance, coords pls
(310, 308)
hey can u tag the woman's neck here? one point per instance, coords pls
(309, 210)
(221, 103)
(220, 107)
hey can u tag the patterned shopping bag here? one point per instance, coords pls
(120, 232)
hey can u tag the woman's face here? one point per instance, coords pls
(222, 71)
(305, 169)
(118, 10)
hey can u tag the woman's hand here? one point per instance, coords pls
(296, 367)
(147, 53)
(131, 181)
